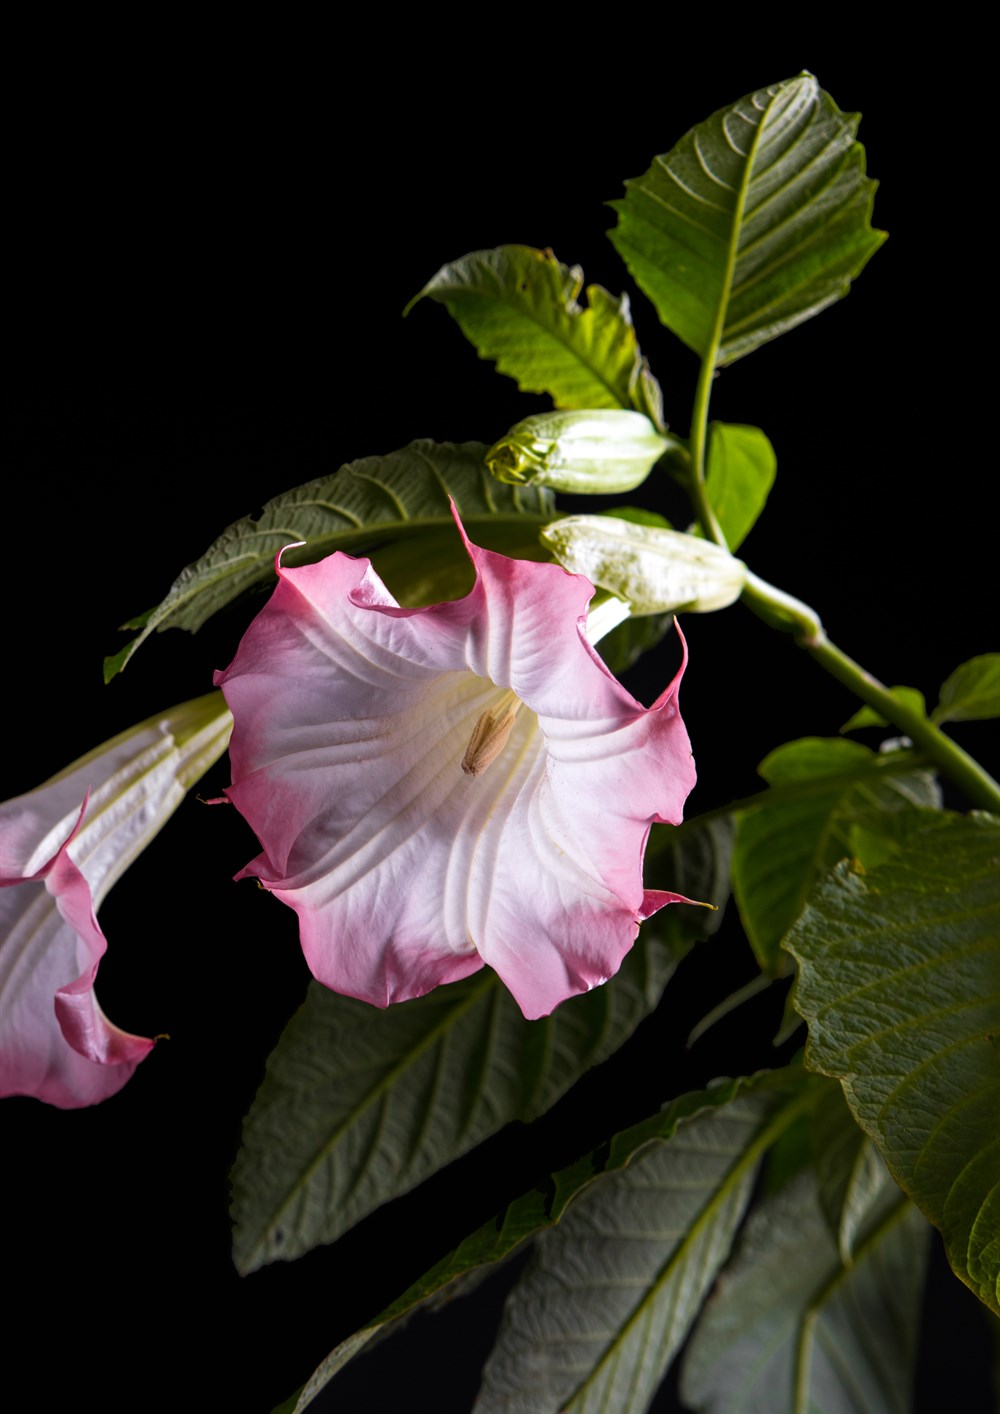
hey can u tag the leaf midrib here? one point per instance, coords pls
(771, 1131)
(739, 210)
(374, 1093)
(553, 333)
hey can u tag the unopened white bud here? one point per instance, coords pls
(602, 452)
(655, 570)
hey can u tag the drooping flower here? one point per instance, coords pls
(440, 787)
(62, 846)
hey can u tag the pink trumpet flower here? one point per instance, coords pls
(62, 846)
(440, 787)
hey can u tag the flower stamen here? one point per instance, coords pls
(490, 734)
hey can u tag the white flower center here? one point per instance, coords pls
(489, 735)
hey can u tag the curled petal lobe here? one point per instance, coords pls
(55, 1042)
(62, 846)
(438, 788)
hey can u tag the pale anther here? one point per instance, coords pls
(489, 735)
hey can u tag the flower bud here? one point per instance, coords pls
(595, 452)
(656, 570)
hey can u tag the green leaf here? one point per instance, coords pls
(867, 716)
(899, 981)
(755, 221)
(782, 848)
(972, 692)
(739, 1116)
(358, 1106)
(374, 502)
(612, 1291)
(790, 1328)
(741, 471)
(519, 307)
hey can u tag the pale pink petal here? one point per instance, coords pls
(55, 1042)
(58, 858)
(352, 719)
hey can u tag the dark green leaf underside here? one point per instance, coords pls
(791, 1329)
(900, 986)
(611, 1292)
(374, 502)
(358, 1105)
(546, 1205)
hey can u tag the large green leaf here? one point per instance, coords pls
(899, 981)
(781, 848)
(377, 501)
(790, 1329)
(519, 306)
(756, 220)
(741, 470)
(358, 1106)
(743, 1116)
(972, 692)
(612, 1291)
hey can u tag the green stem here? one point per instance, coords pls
(783, 611)
(960, 768)
(699, 449)
(704, 512)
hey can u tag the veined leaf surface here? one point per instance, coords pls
(374, 502)
(359, 1105)
(775, 1099)
(781, 849)
(790, 1328)
(520, 307)
(612, 1291)
(899, 982)
(758, 219)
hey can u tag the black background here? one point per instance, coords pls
(213, 248)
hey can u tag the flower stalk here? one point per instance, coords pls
(783, 611)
